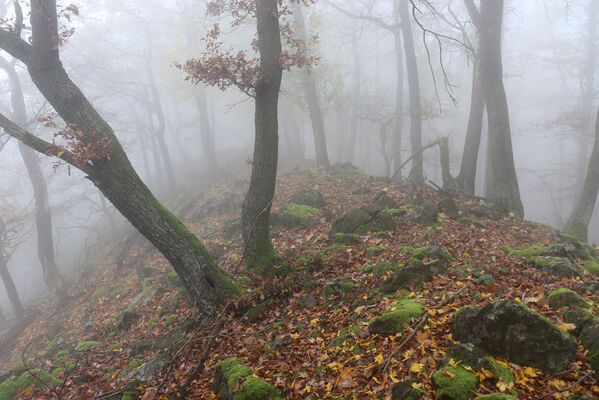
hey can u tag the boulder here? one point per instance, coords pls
(405, 391)
(297, 216)
(412, 273)
(564, 297)
(347, 238)
(312, 198)
(337, 286)
(394, 319)
(362, 190)
(455, 383)
(509, 330)
(425, 214)
(448, 207)
(589, 287)
(381, 202)
(351, 221)
(589, 337)
(234, 381)
(127, 319)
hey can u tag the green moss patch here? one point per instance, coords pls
(85, 346)
(564, 297)
(234, 380)
(39, 378)
(347, 238)
(496, 396)
(379, 269)
(591, 266)
(393, 320)
(302, 215)
(455, 383)
(337, 286)
(472, 222)
(374, 251)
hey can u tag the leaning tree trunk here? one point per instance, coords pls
(466, 179)
(578, 223)
(208, 285)
(259, 252)
(11, 289)
(503, 190)
(43, 215)
(311, 93)
(206, 132)
(417, 171)
(399, 87)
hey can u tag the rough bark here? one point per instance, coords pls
(206, 134)
(116, 178)
(578, 223)
(9, 284)
(466, 179)
(259, 252)
(399, 88)
(503, 189)
(417, 171)
(43, 215)
(311, 93)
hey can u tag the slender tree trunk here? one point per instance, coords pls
(466, 179)
(448, 180)
(399, 88)
(206, 283)
(259, 252)
(503, 189)
(578, 223)
(206, 133)
(11, 289)
(311, 93)
(417, 171)
(355, 103)
(43, 215)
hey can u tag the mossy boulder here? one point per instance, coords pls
(344, 335)
(127, 319)
(512, 331)
(374, 251)
(448, 207)
(171, 280)
(309, 197)
(380, 269)
(424, 263)
(538, 257)
(393, 320)
(234, 381)
(405, 391)
(564, 297)
(34, 377)
(298, 216)
(472, 222)
(455, 383)
(349, 222)
(88, 345)
(337, 286)
(347, 238)
(496, 396)
(579, 317)
(589, 337)
(426, 214)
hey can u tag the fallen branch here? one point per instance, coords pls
(422, 149)
(566, 388)
(418, 326)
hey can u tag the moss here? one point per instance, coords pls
(244, 281)
(496, 396)
(254, 388)
(502, 372)
(129, 395)
(393, 320)
(462, 387)
(115, 346)
(526, 252)
(394, 212)
(379, 269)
(85, 346)
(337, 286)
(173, 279)
(374, 251)
(591, 266)
(347, 238)
(9, 388)
(266, 261)
(579, 231)
(134, 364)
(97, 294)
(472, 222)
(302, 215)
(169, 320)
(564, 297)
(344, 336)
(381, 235)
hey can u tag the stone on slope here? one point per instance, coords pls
(426, 214)
(349, 222)
(448, 207)
(564, 297)
(424, 263)
(393, 320)
(308, 197)
(234, 381)
(513, 332)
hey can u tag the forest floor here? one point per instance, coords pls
(308, 347)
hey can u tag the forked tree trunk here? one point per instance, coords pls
(578, 223)
(43, 215)
(417, 170)
(503, 188)
(208, 285)
(259, 252)
(466, 179)
(311, 93)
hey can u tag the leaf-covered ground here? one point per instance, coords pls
(285, 343)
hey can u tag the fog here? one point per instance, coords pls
(123, 55)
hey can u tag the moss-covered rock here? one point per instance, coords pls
(351, 221)
(347, 238)
(374, 251)
(539, 257)
(448, 207)
(392, 320)
(344, 335)
(34, 377)
(591, 266)
(337, 286)
(512, 331)
(564, 297)
(472, 222)
(426, 214)
(423, 264)
(381, 235)
(496, 396)
(300, 216)
(85, 346)
(234, 381)
(309, 197)
(405, 391)
(127, 319)
(456, 383)
(379, 269)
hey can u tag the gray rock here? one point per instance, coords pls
(425, 214)
(362, 190)
(405, 391)
(308, 301)
(449, 207)
(512, 331)
(413, 273)
(146, 372)
(312, 198)
(351, 221)
(127, 319)
(563, 268)
(589, 287)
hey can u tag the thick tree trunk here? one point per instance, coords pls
(11, 289)
(417, 171)
(399, 88)
(466, 179)
(503, 189)
(578, 223)
(311, 93)
(43, 215)
(259, 252)
(206, 135)
(116, 178)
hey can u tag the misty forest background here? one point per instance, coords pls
(370, 77)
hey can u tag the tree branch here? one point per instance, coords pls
(15, 46)
(374, 20)
(474, 13)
